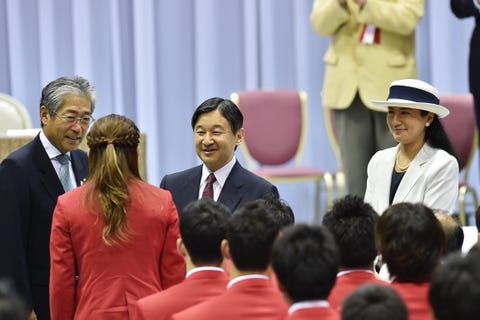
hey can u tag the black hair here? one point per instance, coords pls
(203, 226)
(226, 107)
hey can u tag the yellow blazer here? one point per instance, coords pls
(353, 66)
(432, 179)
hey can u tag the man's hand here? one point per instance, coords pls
(32, 316)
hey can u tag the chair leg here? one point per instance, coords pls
(462, 191)
(471, 191)
(329, 185)
(474, 196)
(316, 218)
(340, 181)
(328, 180)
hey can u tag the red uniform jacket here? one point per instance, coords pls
(252, 298)
(349, 281)
(111, 278)
(197, 287)
(314, 313)
(415, 296)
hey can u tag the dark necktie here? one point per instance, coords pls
(208, 191)
(64, 172)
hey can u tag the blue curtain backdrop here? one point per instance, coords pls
(156, 60)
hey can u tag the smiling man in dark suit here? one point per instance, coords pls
(217, 129)
(30, 184)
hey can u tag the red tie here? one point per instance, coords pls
(208, 191)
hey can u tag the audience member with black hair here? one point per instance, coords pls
(455, 288)
(411, 241)
(305, 260)
(284, 216)
(352, 223)
(453, 232)
(251, 231)
(203, 226)
(217, 126)
(283, 212)
(374, 302)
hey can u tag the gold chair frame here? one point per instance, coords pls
(339, 176)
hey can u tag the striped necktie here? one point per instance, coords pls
(64, 172)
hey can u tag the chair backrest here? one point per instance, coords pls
(460, 126)
(275, 125)
(13, 114)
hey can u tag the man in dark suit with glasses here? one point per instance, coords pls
(31, 179)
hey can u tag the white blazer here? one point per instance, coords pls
(432, 179)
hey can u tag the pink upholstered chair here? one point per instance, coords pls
(461, 129)
(275, 123)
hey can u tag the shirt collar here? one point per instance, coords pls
(308, 304)
(341, 273)
(198, 269)
(221, 174)
(246, 277)
(51, 150)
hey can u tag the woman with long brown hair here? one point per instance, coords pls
(114, 238)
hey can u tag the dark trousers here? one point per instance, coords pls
(360, 133)
(41, 304)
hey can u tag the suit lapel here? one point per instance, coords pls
(385, 180)
(413, 173)
(231, 194)
(48, 175)
(187, 187)
(191, 185)
(79, 165)
(45, 170)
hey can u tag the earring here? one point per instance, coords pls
(427, 124)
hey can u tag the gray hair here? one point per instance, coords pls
(54, 93)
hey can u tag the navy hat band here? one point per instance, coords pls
(413, 94)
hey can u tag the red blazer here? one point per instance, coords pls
(111, 279)
(314, 313)
(347, 282)
(196, 288)
(246, 299)
(415, 296)
(273, 276)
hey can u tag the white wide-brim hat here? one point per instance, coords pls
(414, 94)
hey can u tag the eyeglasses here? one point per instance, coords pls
(85, 120)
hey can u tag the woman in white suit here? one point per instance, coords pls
(422, 167)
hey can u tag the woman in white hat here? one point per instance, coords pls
(422, 167)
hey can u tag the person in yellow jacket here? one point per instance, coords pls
(373, 44)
